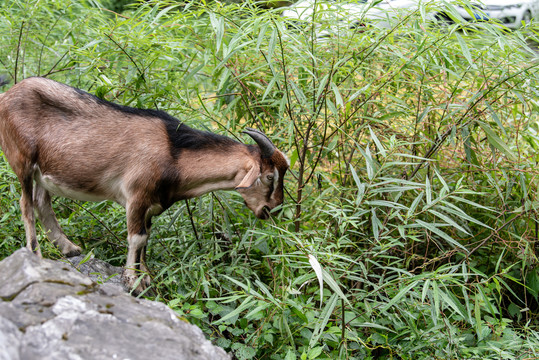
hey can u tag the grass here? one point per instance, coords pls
(410, 225)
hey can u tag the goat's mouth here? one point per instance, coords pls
(264, 213)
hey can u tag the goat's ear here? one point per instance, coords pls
(252, 175)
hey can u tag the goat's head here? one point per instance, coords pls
(262, 188)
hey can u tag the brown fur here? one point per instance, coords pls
(62, 141)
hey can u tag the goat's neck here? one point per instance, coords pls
(204, 171)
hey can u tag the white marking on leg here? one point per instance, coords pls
(136, 243)
(134, 258)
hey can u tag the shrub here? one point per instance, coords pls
(410, 227)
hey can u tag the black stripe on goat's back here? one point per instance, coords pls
(180, 135)
(183, 137)
(83, 95)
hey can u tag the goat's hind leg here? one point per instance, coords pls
(42, 202)
(27, 211)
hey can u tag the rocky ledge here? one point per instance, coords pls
(50, 310)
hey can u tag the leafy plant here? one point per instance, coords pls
(410, 226)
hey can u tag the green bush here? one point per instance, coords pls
(410, 225)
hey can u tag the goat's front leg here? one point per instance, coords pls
(137, 238)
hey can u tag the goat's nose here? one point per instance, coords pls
(265, 213)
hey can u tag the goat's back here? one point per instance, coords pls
(81, 141)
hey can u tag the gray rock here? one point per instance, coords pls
(10, 340)
(99, 271)
(49, 310)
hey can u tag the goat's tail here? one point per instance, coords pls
(4, 80)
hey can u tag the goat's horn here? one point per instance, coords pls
(266, 146)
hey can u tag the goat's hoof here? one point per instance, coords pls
(134, 283)
(73, 252)
(69, 249)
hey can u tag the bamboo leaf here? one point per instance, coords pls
(359, 184)
(244, 305)
(452, 209)
(369, 162)
(269, 87)
(379, 146)
(478, 321)
(443, 235)
(465, 49)
(448, 220)
(218, 26)
(375, 224)
(318, 271)
(272, 44)
(454, 304)
(428, 192)
(414, 205)
(399, 296)
(247, 287)
(425, 290)
(335, 287)
(324, 318)
(470, 202)
(338, 97)
(497, 142)
(258, 309)
(435, 310)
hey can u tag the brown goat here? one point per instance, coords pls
(63, 141)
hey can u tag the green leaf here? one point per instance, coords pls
(376, 224)
(359, 184)
(243, 306)
(471, 157)
(497, 142)
(323, 320)
(258, 309)
(272, 44)
(453, 303)
(335, 287)
(314, 352)
(443, 235)
(478, 323)
(369, 162)
(532, 283)
(414, 205)
(269, 87)
(375, 326)
(428, 191)
(448, 220)
(465, 49)
(290, 355)
(338, 97)
(218, 25)
(379, 145)
(399, 296)
(452, 209)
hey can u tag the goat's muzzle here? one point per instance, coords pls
(263, 213)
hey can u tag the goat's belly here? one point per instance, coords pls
(55, 187)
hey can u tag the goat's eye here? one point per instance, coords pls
(269, 177)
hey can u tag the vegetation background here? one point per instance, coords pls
(410, 228)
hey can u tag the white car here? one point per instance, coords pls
(511, 13)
